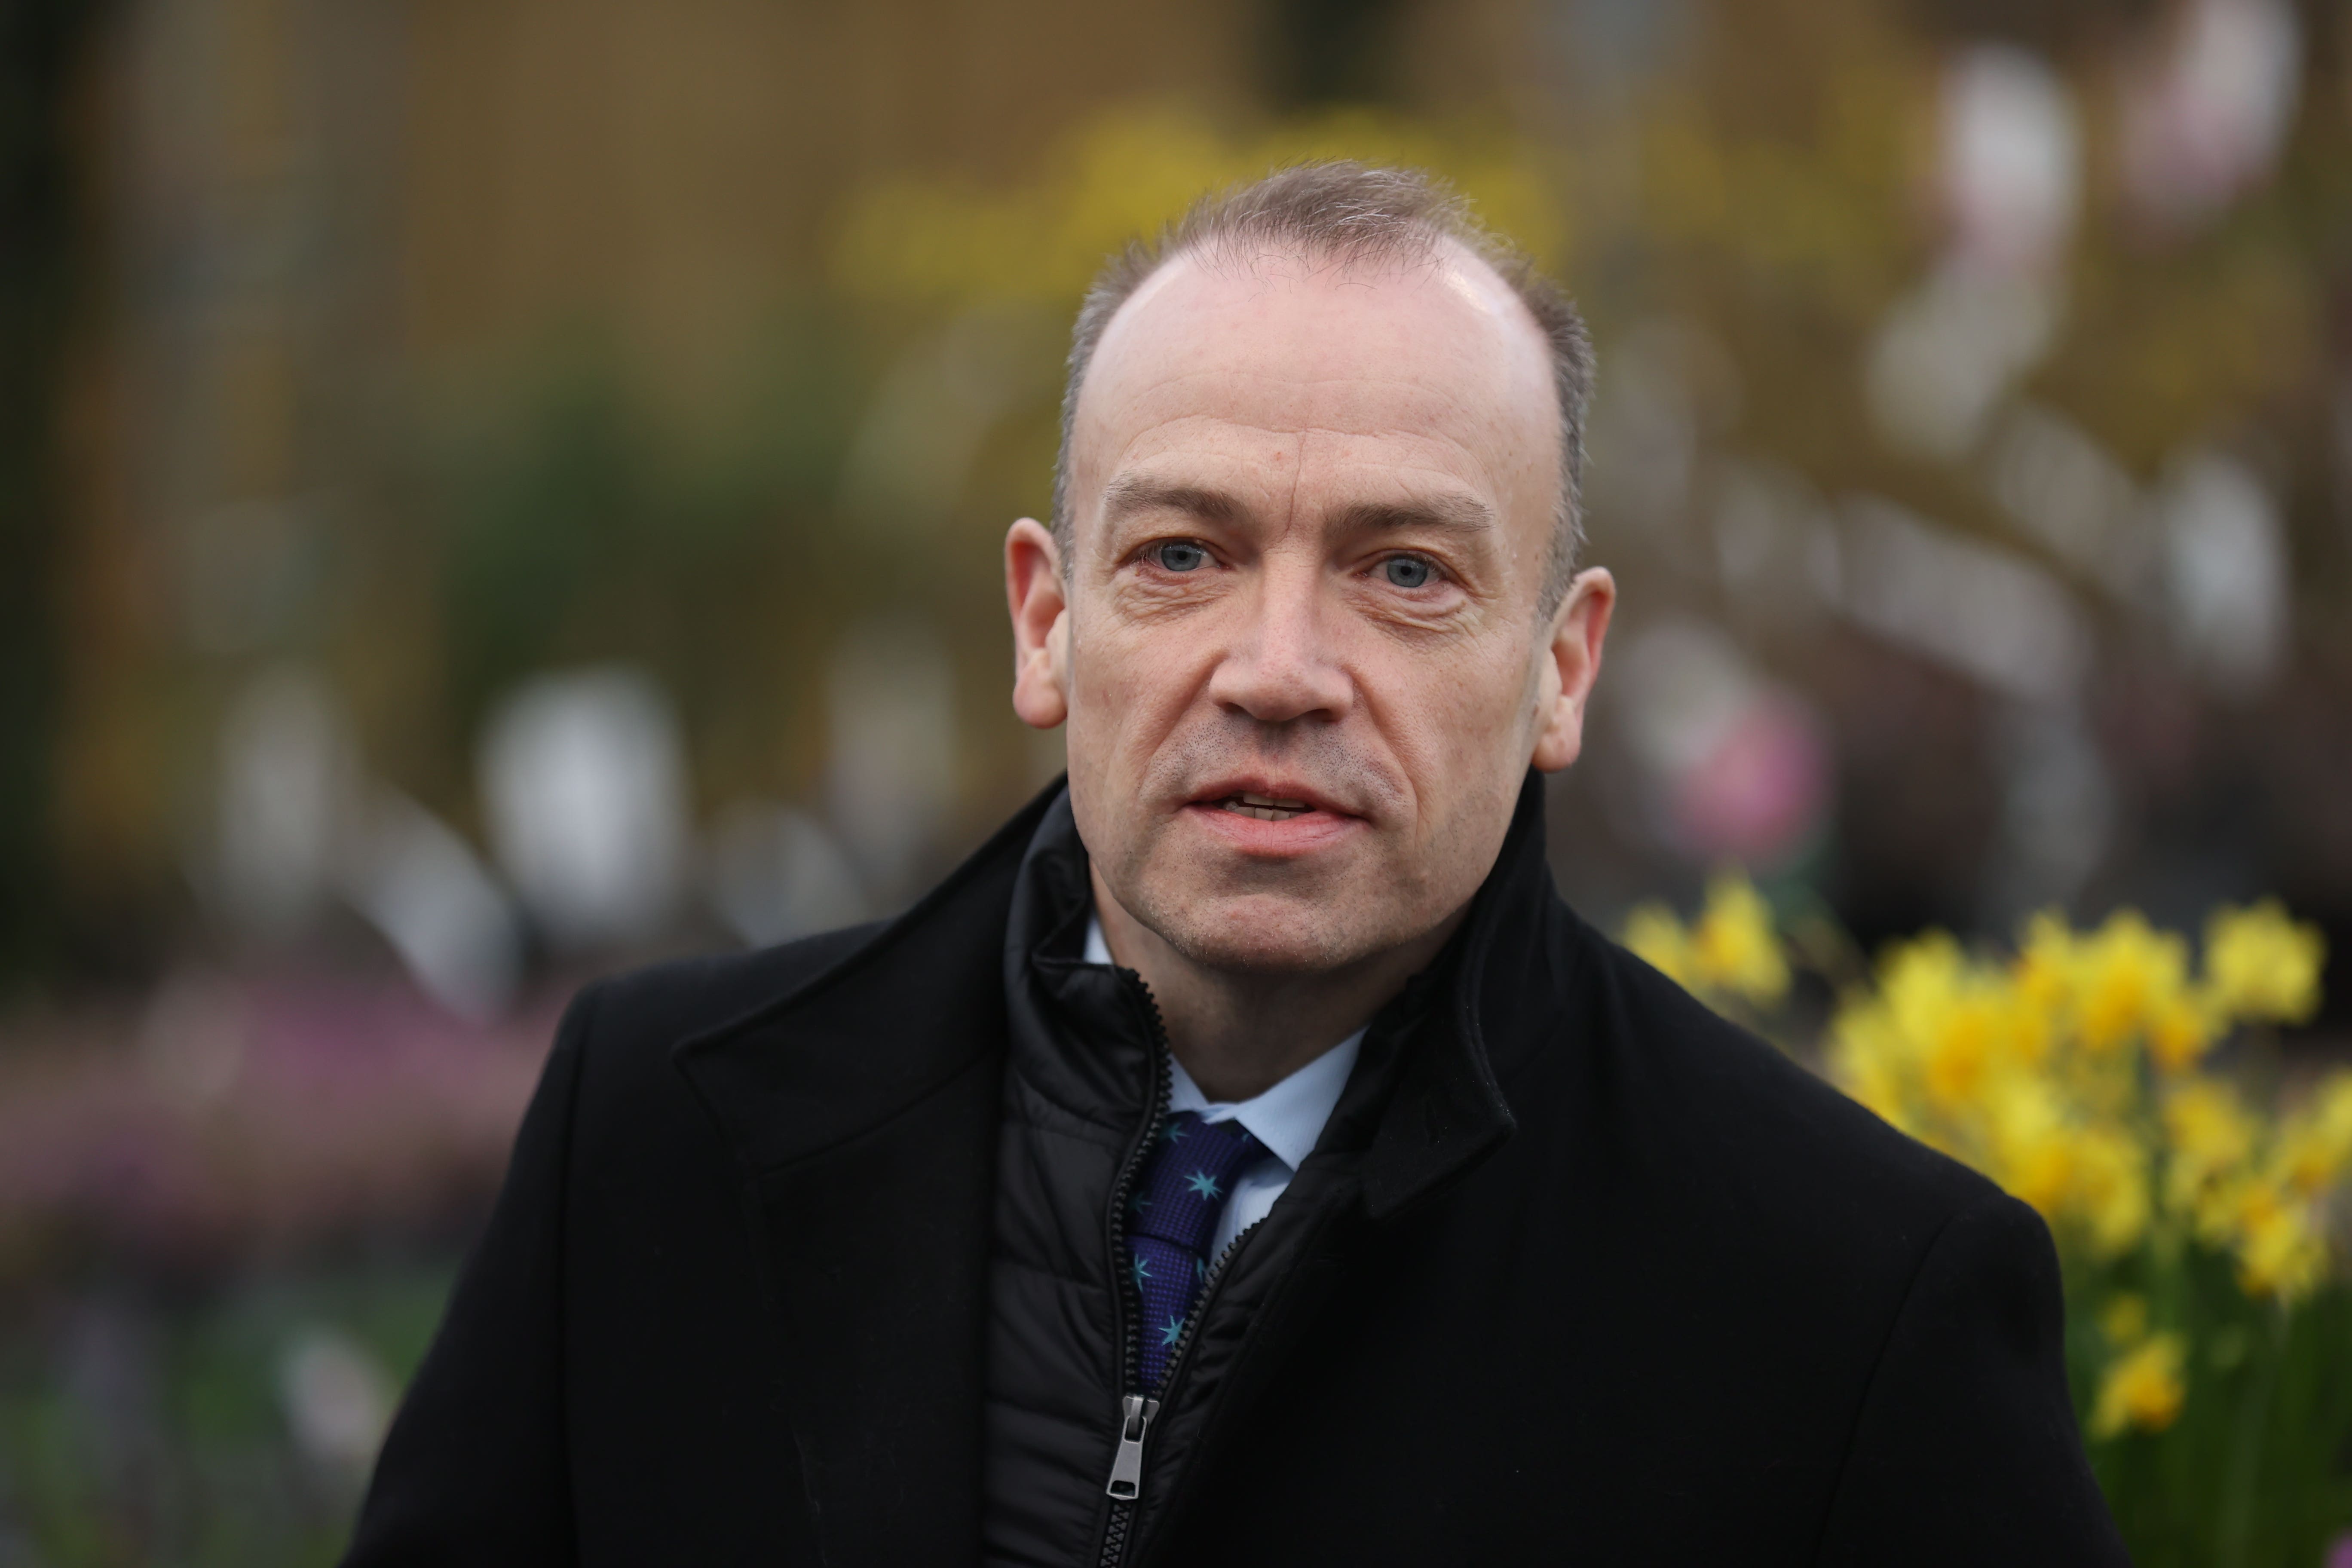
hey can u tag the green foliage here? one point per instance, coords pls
(576, 525)
(2253, 1471)
(139, 1429)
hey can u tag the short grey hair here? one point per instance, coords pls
(1352, 214)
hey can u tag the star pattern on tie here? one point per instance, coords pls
(1180, 1194)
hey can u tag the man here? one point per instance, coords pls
(1245, 1157)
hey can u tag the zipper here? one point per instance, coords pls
(1201, 1306)
(1127, 1471)
(1136, 1411)
(1129, 1299)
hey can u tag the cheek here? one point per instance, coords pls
(1121, 688)
(1461, 727)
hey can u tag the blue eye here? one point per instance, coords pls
(1181, 557)
(1407, 571)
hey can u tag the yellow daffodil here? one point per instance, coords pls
(2211, 1138)
(2314, 1145)
(1733, 950)
(2076, 1074)
(2129, 977)
(2280, 1253)
(2260, 964)
(2045, 968)
(2030, 1146)
(2109, 1192)
(2181, 1027)
(2142, 1388)
(1871, 1074)
(1654, 935)
(1734, 947)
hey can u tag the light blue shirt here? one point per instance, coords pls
(1287, 1119)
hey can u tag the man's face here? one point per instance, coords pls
(1300, 655)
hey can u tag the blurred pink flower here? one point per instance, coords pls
(258, 1113)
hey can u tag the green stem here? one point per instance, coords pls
(2245, 1460)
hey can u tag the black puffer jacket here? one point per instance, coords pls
(1086, 1085)
(791, 1269)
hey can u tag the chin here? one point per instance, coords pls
(1265, 935)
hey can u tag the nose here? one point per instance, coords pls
(1281, 665)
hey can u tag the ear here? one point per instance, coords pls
(1041, 625)
(1571, 663)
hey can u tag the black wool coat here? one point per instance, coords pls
(1597, 1278)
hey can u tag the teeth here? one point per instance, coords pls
(1262, 808)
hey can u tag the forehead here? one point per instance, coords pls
(1425, 372)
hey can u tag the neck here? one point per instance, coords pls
(1240, 1032)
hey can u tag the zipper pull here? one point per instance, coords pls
(1127, 1468)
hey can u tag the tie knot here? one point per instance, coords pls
(1188, 1176)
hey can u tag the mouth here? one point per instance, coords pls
(1266, 819)
(1276, 818)
(1262, 808)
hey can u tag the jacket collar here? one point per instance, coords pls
(1428, 1103)
(1080, 1036)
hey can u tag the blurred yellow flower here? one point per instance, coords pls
(2029, 1147)
(2142, 1388)
(2315, 1143)
(2180, 1029)
(2037, 1070)
(1735, 946)
(1958, 1056)
(2280, 1253)
(1732, 949)
(2260, 964)
(2110, 1188)
(2077, 1075)
(2043, 973)
(2211, 1137)
(1656, 937)
(2128, 977)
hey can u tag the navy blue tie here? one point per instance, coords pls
(1186, 1183)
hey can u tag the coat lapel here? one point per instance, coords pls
(862, 1111)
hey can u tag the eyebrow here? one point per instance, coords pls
(1445, 514)
(1132, 493)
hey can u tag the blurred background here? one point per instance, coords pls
(494, 491)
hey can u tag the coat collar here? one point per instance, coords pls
(768, 1076)
(1476, 1013)
(862, 1109)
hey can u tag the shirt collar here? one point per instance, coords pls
(1287, 1117)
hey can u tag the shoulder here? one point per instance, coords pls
(1762, 1135)
(687, 996)
(623, 1027)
